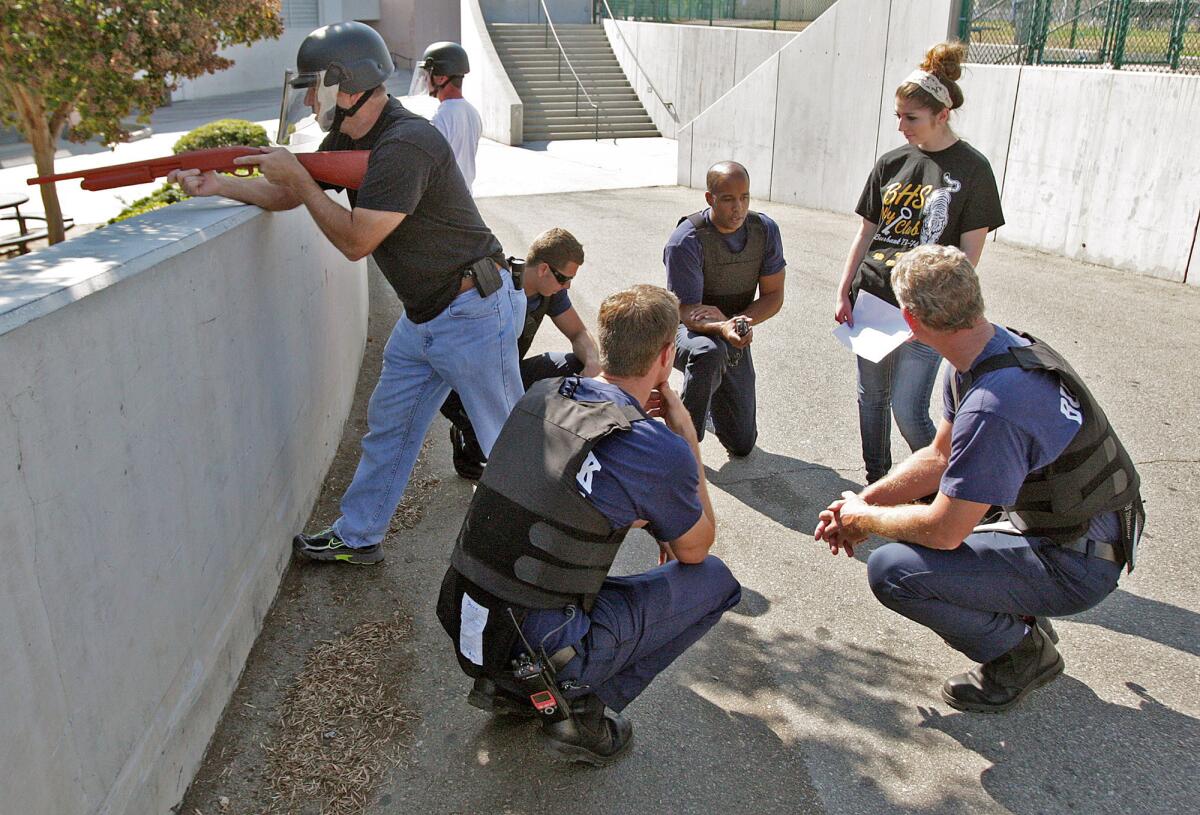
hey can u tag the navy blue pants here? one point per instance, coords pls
(533, 369)
(974, 596)
(712, 384)
(638, 626)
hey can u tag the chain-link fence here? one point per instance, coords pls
(1154, 35)
(784, 15)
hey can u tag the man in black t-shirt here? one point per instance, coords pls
(414, 216)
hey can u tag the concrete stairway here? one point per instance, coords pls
(549, 100)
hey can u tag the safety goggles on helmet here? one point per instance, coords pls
(307, 100)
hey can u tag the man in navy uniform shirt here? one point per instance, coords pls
(725, 264)
(579, 463)
(1019, 431)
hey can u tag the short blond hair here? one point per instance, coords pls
(938, 286)
(635, 324)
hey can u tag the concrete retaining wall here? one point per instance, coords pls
(489, 88)
(174, 389)
(1096, 165)
(1100, 166)
(678, 61)
(530, 11)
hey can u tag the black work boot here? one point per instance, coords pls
(995, 686)
(593, 735)
(497, 701)
(468, 455)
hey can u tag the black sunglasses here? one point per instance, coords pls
(562, 279)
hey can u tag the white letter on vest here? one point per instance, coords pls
(590, 465)
(1069, 405)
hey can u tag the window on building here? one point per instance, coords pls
(301, 14)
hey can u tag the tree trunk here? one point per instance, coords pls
(43, 157)
(37, 129)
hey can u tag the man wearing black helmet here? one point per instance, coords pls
(440, 74)
(414, 215)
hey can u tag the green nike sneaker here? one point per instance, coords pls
(326, 546)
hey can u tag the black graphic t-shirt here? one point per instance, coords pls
(917, 198)
(412, 170)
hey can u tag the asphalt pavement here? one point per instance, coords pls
(810, 697)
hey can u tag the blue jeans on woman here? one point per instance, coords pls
(899, 385)
(470, 347)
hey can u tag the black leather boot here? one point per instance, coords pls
(593, 735)
(497, 701)
(468, 455)
(996, 686)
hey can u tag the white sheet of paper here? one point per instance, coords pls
(470, 633)
(879, 329)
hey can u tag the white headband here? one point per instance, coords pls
(931, 85)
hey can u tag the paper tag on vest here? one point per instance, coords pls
(473, 620)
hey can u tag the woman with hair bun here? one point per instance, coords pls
(934, 189)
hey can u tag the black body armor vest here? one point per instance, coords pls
(533, 321)
(730, 280)
(530, 538)
(1094, 474)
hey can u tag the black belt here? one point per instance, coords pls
(1100, 549)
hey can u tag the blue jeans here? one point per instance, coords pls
(533, 369)
(900, 385)
(640, 624)
(974, 596)
(470, 347)
(711, 384)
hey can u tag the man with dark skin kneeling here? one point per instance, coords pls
(579, 463)
(1022, 432)
(725, 264)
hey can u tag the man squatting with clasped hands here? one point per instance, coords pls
(1019, 431)
(527, 600)
(414, 215)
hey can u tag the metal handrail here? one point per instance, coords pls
(670, 106)
(562, 54)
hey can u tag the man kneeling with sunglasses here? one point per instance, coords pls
(551, 264)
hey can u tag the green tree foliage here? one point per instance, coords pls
(221, 133)
(89, 63)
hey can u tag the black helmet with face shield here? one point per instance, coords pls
(351, 57)
(447, 59)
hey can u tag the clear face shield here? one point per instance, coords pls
(307, 101)
(422, 82)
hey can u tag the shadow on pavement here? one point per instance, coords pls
(1152, 620)
(1072, 751)
(788, 490)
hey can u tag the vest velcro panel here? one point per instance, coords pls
(730, 279)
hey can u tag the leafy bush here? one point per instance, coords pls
(221, 133)
(164, 196)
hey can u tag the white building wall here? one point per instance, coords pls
(174, 390)
(679, 61)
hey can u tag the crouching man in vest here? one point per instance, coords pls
(726, 266)
(527, 601)
(550, 266)
(1022, 432)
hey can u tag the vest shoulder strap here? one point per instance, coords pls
(994, 363)
(696, 219)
